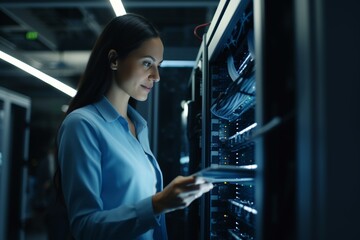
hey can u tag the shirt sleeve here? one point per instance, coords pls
(80, 163)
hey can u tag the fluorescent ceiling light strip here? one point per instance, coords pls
(42, 76)
(177, 63)
(118, 7)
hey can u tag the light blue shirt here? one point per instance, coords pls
(108, 175)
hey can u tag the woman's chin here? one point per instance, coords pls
(141, 98)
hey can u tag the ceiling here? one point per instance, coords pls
(56, 37)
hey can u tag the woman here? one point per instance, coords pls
(110, 180)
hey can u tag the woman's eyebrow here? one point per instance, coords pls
(148, 56)
(152, 58)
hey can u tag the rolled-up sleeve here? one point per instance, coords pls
(79, 154)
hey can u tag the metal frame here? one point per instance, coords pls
(225, 26)
(205, 139)
(9, 98)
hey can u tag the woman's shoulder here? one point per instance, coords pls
(83, 111)
(81, 122)
(84, 114)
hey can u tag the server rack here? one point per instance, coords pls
(224, 96)
(247, 122)
(14, 151)
(305, 143)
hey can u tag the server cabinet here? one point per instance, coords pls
(304, 107)
(246, 107)
(14, 142)
(224, 100)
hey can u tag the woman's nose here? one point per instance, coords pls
(155, 75)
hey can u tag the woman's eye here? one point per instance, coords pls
(147, 63)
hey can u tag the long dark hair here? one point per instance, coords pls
(123, 34)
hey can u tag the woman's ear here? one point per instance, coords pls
(112, 56)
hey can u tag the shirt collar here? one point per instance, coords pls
(108, 112)
(138, 120)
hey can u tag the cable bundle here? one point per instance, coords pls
(240, 94)
(237, 98)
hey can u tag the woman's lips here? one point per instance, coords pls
(147, 88)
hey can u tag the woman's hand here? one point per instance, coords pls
(179, 194)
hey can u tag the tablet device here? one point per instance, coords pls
(227, 173)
